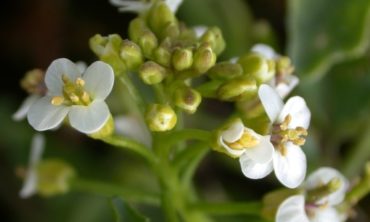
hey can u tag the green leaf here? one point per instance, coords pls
(124, 212)
(325, 32)
(233, 17)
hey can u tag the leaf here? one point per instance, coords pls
(325, 32)
(125, 213)
(233, 17)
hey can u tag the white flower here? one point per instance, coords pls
(283, 83)
(138, 6)
(257, 150)
(133, 127)
(289, 124)
(30, 183)
(22, 111)
(80, 96)
(299, 208)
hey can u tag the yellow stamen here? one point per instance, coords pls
(247, 140)
(85, 97)
(80, 82)
(74, 98)
(57, 100)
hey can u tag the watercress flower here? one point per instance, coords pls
(69, 92)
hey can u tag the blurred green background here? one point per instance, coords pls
(328, 41)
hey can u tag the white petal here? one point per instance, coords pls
(43, 115)
(290, 169)
(297, 108)
(234, 132)
(322, 176)
(254, 170)
(173, 4)
(328, 214)
(263, 152)
(265, 50)
(53, 76)
(284, 88)
(199, 30)
(89, 119)
(37, 148)
(130, 5)
(30, 184)
(292, 210)
(99, 79)
(133, 127)
(23, 109)
(81, 65)
(271, 101)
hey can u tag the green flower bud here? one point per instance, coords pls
(131, 55)
(256, 65)
(33, 82)
(143, 36)
(214, 37)
(162, 54)
(284, 66)
(159, 17)
(238, 89)
(225, 71)
(187, 99)
(160, 118)
(182, 59)
(152, 73)
(204, 59)
(108, 50)
(105, 131)
(171, 30)
(53, 177)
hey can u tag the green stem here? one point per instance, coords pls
(232, 208)
(359, 155)
(188, 134)
(160, 94)
(361, 189)
(134, 93)
(125, 143)
(110, 190)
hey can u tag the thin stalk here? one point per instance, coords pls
(134, 93)
(232, 208)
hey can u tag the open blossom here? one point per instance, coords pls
(69, 92)
(325, 189)
(240, 141)
(284, 81)
(138, 6)
(290, 122)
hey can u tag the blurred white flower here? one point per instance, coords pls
(80, 96)
(30, 183)
(250, 147)
(320, 209)
(289, 127)
(138, 6)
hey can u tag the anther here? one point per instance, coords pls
(57, 100)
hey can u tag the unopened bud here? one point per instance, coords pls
(105, 131)
(33, 82)
(53, 177)
(162, 54)
(187, 99)
(284, 66)
(152, 73)
(182, 59)
(204, 59)
(171, 30)
(160, 118)
(257, 66)
(131, 55)
(160, 15)
(238, 89)
(143, 36)
(225, 71)
(214, 37)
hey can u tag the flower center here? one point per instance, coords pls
(281, 134)
(247, 140)
(73, 93)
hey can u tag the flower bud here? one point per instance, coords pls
(160, 117)
(105, 131)
(160, 16)
(204, 59)
(152, 73)
(143, 36)
(225, 71)
(187, 99)
(182, 59)
(256, 65)
(108, 49)
(162, 54)
(284, 66)
(214, 37)
(53, 177)
(238, 89)
(131, 55)
(33, 82)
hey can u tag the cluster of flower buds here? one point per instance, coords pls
(165, 54)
